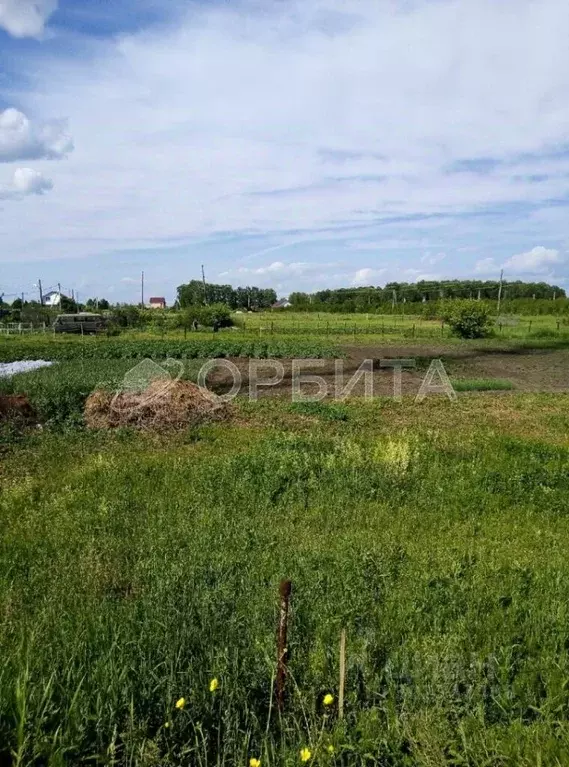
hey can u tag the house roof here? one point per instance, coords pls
(281, 302)
(157, 300)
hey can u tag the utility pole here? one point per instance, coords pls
(394, 300)
(142, 291)
(204, 287)
(500, 291)
(41, 294)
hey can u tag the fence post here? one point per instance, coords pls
(342, 674)
(282, 648)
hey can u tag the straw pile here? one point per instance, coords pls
(162, 405)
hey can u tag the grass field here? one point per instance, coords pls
(400, 326)
(290, 333)
(136, 569)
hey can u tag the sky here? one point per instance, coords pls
(295, 145)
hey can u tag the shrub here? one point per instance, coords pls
(468, 318)
(207, 316)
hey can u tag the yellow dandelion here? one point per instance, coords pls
(213, 685)
(254, 762)
(181, 703)
(328, 700)
(305, 754)
(330, 749)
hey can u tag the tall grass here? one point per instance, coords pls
(132, 573)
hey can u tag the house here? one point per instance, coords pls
(157, 302)
(282, 303)
(53, 298)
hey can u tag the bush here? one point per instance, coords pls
(207, 316)
(468, 318)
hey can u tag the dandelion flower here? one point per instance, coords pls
(328, 700)
(181, 703)
(254, 762)
(213, 685)
(305, 754)
(330, 749)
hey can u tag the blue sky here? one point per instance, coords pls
(299, 145)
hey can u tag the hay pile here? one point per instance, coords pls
(161, 406)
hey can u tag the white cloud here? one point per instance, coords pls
(25, 181)
(29, 181)
(20, 139)
(367, 276)
(534, 261)
(433, 258)
(315, 119)
(296, 269)
(486, 266)
(25, 18)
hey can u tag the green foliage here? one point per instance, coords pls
(133, 572)
(394, 295)
(206, 316)
(481, 384)
(195, 294)
(102, 348)
(468, 318)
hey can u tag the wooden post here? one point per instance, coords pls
(282, 649)
(342, 674)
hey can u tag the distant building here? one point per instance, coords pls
(157, 302)
(282, 303)
(53, 298)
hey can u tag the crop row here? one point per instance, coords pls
(104, 348)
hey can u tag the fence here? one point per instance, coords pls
(20, 328)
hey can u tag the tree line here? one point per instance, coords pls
(389, 298)
(198, 293)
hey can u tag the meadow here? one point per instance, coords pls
(139, 573)
(137, 570)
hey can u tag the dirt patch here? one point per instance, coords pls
(16, 407)
(530, 371)
(161, 406)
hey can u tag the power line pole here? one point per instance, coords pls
(500, 290)
(204, 287)
(41, 294)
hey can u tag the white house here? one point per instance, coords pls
(53, 298)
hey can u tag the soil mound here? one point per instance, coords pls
(162, 405)
(16, 407)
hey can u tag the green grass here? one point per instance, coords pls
(481, 384)
(58, 393)
(133, 570)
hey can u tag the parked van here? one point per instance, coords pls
(83, 322)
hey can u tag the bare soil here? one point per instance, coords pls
(528, 371)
